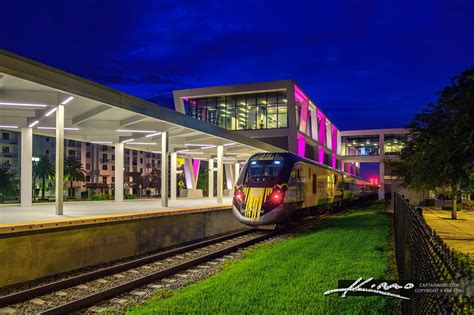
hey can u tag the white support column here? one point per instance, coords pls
(189, 173)
(229, 176)
(26, 166)
(59, 159)
(119, 170)
(382, 181)
(164, 169)
(382, 145)
(220, 174)
(173, 184)
(236, 172)
(211, 179)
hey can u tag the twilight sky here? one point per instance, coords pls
(368, 64)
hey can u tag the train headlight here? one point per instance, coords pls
(277, 196)
(239, 196)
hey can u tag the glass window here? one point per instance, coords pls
(272, 110)
(241, 112)
(394, 144)
(282, 111)
(192, 108)
(309, 124)
(360, 145)
(211, 110)
(231, 122)
(262, 111)
(221, 113)
(298, 113)
(265, 173)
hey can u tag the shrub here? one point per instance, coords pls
(466, 204)
(450, 208)
(99, 197)
(130, 196)
(429, 202)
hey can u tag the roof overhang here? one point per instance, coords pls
(104, 115)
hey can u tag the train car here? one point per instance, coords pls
(274, 187)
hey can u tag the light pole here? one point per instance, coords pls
(35, 162)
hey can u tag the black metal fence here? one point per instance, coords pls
(422, 256)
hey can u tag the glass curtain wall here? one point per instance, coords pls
(242, 112)
(361, 145)
(394, 144)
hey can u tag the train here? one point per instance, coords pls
(275, 188)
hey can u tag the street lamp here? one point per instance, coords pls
(35, 161)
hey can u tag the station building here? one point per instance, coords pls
(280, 113)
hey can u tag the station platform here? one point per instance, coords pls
(11, 214)
(36, 242)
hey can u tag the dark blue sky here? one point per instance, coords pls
(368, 64)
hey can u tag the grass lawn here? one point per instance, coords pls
(291, 276)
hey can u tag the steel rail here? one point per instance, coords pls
(95, 298)
(27, 294)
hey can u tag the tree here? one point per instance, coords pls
(150, 180)
(440, 150)
(7, 180)
(44, 169)
(73, 171)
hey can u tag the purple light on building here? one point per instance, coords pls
(334, 161)
(321, 155)
(303, 100)
(196, 164)
(334, 138)
(301, 145)
(322, 128)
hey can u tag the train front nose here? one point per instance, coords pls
(258, 206)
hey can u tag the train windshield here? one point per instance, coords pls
(264, 173)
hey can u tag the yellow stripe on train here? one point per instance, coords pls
(254, 199)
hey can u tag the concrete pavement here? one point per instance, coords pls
(77, 209)
(457, 234)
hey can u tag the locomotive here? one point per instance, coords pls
(273, 188)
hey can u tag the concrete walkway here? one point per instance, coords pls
(458, 234)
(77, 209)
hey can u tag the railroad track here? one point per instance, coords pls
(88, 289)
(79, 292)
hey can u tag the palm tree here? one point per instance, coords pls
(7, 180)
(73, 171)
(44, 169)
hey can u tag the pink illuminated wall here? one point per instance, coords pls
(196, 164)
(303, 100)
(334, 161)
(349, 169)
(355, 170)
(334, 138)
(322, 128)
(301, 145)
(321, 155)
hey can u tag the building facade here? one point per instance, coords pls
(282, 114)
(278, 112)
